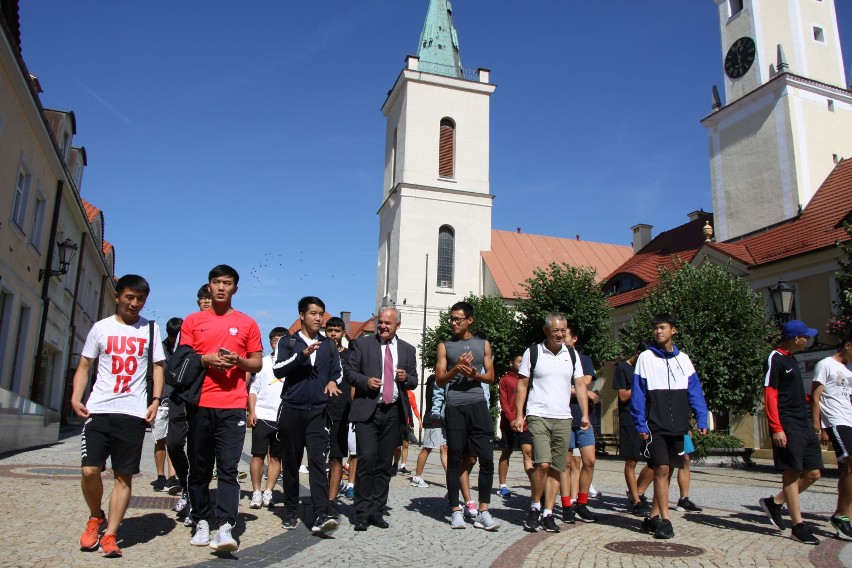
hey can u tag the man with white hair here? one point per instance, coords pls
(546, 375)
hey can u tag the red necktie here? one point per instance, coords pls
(387, 383)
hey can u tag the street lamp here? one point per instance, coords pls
(782, 300)
(66, 253)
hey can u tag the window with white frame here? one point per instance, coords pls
(37, 228)
(22, 191)
(734, 7)
(446, 256)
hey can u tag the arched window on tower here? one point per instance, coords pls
(447, 149)
(446, 256)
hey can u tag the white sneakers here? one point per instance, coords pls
(223, 540)
(267, 498)
(256, 500)
(202, 534)
(418, 482)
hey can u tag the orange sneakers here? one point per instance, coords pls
(109, 549)
(92, 535)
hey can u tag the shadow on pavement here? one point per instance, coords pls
(139, 530)
(745, 522)
(433, 507)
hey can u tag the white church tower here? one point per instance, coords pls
(436, 198)
(787, 114)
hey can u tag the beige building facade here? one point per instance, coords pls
(40, 295)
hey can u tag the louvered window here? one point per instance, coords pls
(446, 256)
(446, 149)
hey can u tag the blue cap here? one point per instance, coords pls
(797, 328)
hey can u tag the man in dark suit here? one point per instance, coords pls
(381, 368)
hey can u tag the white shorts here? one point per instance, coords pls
(160, 426)
(434, 438)
(351, 440)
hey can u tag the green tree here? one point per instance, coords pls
(842, 321)
(722, 326)
(575, 293)
(492, 317)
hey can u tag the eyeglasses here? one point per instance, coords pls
(456, 319)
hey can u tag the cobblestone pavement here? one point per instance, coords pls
(44, 511)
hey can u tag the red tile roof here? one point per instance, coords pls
(664, 250)
(92, 212)
(514, 256)
(819, 226)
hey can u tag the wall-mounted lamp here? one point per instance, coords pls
(66, 253)
(782, 300)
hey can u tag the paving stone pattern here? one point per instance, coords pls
(45, 513)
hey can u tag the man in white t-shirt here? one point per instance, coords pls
(264, 399)
(548, 414)
(117, 411)
(831, 409)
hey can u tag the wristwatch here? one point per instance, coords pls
(157, 398)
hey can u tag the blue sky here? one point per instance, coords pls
(253, 136)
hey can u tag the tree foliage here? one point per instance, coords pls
(575, 293)
(842, 321)
(722, 326)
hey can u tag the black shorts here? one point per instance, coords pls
(803, 452)
(513, 441)
(116, 436)
(264, 438)
(841, 439)
(630, 445)
(664, 450)
(338, 439)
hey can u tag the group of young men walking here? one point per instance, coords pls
(307, 393)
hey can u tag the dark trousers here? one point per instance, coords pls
(469, 425)
(297, 430)
(376, 440)
(176, 440)
(215, 434)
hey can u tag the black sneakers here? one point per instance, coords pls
(548, 523)
(842, 526)
(290, 521)
(664, 529)
(568, 515)
(650, 524)
(531, 523)
(641, 509)
(583, 513)
(685, 505)
(802, 533)
(325, 524)
(159, 483)
(773, 511)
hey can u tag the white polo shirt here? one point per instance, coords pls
(550, 396)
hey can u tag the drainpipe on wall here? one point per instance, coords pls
(65, 406)
(35, 386)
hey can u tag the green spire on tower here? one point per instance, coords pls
(439, 43)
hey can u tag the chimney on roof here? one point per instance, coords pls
(695, 215)
(519, 230)
(641, 236)
(346, 316)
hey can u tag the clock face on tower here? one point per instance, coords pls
(740, 57)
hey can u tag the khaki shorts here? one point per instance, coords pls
(550, 438)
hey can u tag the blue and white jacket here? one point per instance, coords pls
(665, 387)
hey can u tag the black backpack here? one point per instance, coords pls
(534, 358)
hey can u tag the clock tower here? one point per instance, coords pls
(436, 198)
(787, 113)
